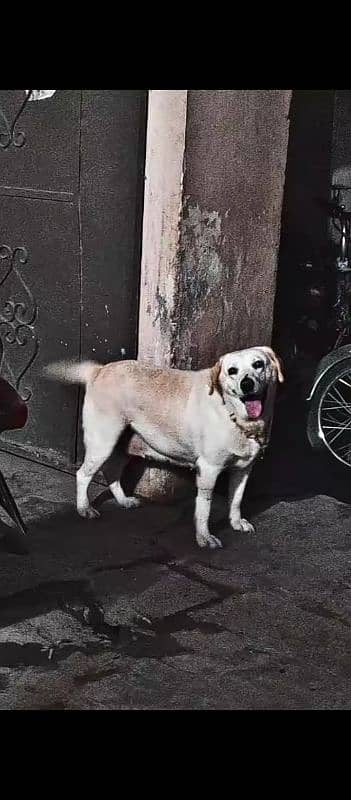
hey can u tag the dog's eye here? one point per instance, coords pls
(258, 364)
(232, 371)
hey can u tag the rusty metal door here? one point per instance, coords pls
(71, 192)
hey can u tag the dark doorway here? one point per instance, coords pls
(71, 196)
(304, 226)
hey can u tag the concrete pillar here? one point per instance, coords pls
(163, 202)
(215, 166)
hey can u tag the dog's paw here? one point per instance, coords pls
(207, 540)
(243, 526)
(247, 527)
(130, 502)
(88, 513)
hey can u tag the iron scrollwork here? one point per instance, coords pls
(17, 318)
(10, 135)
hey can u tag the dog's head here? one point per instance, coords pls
(245, 375)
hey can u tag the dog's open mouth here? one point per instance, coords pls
(254, 406)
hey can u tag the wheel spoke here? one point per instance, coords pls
(341, 430)
(344, 453)
(338, 399)
(342, 380)
(336, 427)
(341, 397)
(344, 447)
(332, 408)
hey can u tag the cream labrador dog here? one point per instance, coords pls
(208, 420)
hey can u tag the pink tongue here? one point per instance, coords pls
(253, 408)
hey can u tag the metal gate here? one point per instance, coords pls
(71, 191)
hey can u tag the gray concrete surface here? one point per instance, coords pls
(126, 613)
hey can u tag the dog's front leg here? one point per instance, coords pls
(237, 483)
(207, 475)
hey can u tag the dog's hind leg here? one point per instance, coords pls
(117, 490)
(101, 433)
(114, 470)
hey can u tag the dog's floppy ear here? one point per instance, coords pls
(276, 361)
(214, 378)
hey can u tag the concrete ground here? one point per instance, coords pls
(127, 613)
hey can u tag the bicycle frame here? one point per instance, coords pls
(337, 353)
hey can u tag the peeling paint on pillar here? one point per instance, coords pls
(162, 312)
(200, 262)
(200, 277)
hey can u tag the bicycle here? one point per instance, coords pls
(329, 415)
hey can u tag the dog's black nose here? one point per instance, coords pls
(247, 385)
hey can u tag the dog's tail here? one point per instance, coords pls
(72, 371)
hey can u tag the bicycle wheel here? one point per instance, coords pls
(329, 418)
